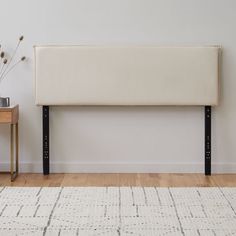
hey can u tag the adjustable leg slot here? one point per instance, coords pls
(46, 140)
(207, 140)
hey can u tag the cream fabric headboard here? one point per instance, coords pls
(126, 75)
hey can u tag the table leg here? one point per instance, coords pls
(14, 139)
(17, 147)
(12, 150)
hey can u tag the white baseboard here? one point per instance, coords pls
(77, 167)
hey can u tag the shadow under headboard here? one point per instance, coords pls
(127, 75)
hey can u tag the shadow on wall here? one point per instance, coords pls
(99, 133)
(4, 143)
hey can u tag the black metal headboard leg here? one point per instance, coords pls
(45, 140)
(207, 140)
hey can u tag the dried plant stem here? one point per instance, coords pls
(1, 64)
(1, 70)
(12, 67)
(10, 60)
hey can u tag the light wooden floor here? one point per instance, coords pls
(162, 180)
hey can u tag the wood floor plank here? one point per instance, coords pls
(225, 180)
(159, 180)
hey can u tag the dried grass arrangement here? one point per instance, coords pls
(7, 64)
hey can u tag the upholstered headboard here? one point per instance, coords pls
(126, 75)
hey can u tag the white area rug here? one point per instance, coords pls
(117, 211)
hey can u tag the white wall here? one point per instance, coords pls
(121, 139)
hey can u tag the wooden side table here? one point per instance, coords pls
(10, 115)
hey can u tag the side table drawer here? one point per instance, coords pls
(9, 115)
(5, 117)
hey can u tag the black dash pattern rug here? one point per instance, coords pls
(121, 211)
